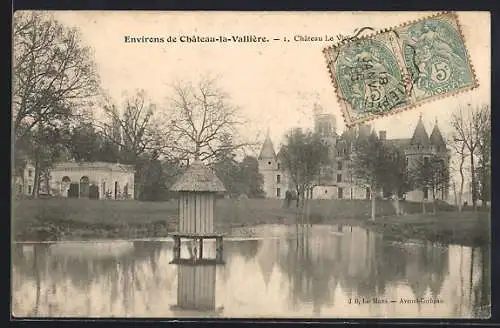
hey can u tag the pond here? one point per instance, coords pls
(270, 271)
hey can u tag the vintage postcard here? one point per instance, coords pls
(214, 164)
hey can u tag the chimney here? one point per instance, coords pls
(382, 135)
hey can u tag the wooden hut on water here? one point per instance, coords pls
(197, 188)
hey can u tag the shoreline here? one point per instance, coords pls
(63, 220)
(393, 228)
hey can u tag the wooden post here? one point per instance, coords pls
(218, 248)
(201, 248)
(177, 247)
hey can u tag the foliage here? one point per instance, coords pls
(240, 178)
(302, 156)
(430, 173)
(150, 179)
(378, 166)
(251, 177)
(395, 181)
(370, 162)
(46, 147)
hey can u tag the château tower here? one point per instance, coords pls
(422, 146)
(325, 125)
(270, 170)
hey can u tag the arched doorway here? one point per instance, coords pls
(84, 187)
(65, 183)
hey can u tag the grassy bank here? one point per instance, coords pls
(53, 219)
(466, 228)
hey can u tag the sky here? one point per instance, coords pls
(276, 84)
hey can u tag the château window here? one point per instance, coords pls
(278, 178)
(279, 167)
(278, 192)
(269, 163)
(339, 165)
(29, 189)
(30, 172)
(339, 177)
(341, 193)
(426, 161)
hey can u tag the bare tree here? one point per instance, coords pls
(203, 122)
(482, 125)
(54, 80)
(467, 125)
(54, 75)
(460, 152)
(135, 127)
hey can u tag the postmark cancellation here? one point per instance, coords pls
(400, 68)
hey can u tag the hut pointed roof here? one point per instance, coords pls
(420, 135)
(198, 177)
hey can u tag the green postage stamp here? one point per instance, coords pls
(399, 68)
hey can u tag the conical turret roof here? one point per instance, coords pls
(267, 150)
(198, 177)
(437, 138)
(420, 136)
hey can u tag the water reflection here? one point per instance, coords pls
(309, 272)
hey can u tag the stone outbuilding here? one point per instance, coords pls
(98, 180)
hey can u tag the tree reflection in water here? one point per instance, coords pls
(361, 262)
(305, 271)
(482, 289)
(308, 268)
(53, 273)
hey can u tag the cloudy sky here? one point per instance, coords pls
(275, 84)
